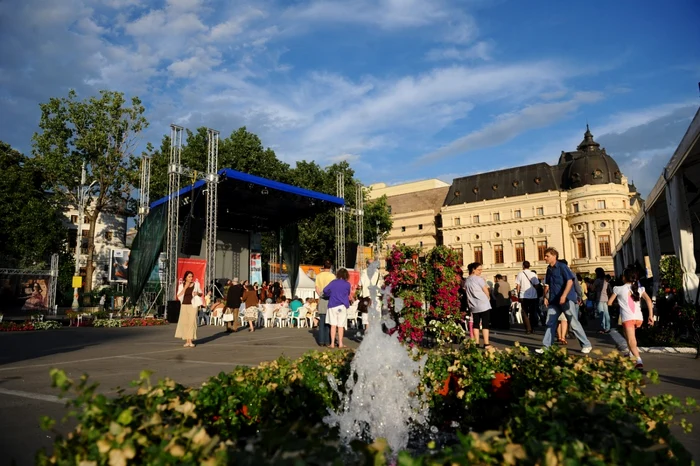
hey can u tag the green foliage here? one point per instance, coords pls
(671, 276)
(101, 132)
(550, 409)
(30, 220)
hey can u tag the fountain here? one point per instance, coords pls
(379, 399)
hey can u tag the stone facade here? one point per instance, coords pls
(581, 206)
(415, 218)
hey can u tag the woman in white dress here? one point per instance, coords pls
(189, 295)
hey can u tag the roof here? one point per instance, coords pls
(517, 181)
(247, 202)
(431, 199)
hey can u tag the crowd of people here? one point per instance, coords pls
(560, 303)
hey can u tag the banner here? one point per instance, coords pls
(21, 295)
(354, 281)
(119, 265)
(256, 268)
(196, 266)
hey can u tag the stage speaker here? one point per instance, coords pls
(192, 234)
(350, 255)
(173, 311)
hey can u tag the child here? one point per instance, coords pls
(628, 296)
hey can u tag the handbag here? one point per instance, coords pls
(197, 301)
(228, 315)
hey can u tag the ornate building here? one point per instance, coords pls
(415, 211)
(582, 206)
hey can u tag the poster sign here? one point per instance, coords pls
(354, 281)
(119, 265)
(22, 295)
(256, 268)
(77, 282)
(196, 266)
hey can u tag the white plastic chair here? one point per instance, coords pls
(217, 317)
(352, 313)
(269, 315)
(282, 317)
(301, 318)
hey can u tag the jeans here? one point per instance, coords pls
(324, 331)
(569, 308)
(204, 314)
(604, 315)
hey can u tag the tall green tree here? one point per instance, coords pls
(102, 132)
(31, 227)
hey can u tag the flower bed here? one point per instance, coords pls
(133, 322)
(29, 325)
(520, 409)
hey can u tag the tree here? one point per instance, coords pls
(102, 133)
(30, 221)
(377, 219)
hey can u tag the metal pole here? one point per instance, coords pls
(78, 246)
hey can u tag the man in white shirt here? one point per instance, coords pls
(526, 286)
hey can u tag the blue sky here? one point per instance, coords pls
(402, 89)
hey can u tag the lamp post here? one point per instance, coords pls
(82, 194)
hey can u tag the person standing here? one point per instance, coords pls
(251, 301)
(233, 303)
(322, 280)
(561, 298)
(189, 295)
(525, 286)
(602, 288)
(338, 292)
(478, 301)
(501, 296)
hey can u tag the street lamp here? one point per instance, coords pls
(82, 195)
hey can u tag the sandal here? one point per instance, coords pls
(563, 342)
(488, 347)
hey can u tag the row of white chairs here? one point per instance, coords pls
(283, 317)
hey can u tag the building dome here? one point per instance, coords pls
(589, 164)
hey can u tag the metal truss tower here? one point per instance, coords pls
(144, 199)
(340, 224)
(212, 208)
(360, 224)
(173, 212)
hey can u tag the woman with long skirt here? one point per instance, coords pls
(187, 292)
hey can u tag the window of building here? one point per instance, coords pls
(85, 234)
(460, 255)
(519, 252)
(518, 214)
(496, 217)
(72, 238)
(389, 210)
(108, 235)
(604, 243)
(86, 220)
(576, 208)
(73, 219)
(498, 253)
(601, 204)
(541, 246)
(421, 244)
(581, 247)
(540, 211)
(478, 254)
(457, 221)
(475, 219)
(403, 229)
(420, 226)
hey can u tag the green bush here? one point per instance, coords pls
(521, 409)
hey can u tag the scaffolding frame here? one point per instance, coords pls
(171, 241)
(144, 198)
(212, 209)
(360, 224)
(340, 259)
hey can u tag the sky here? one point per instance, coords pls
(401, 89)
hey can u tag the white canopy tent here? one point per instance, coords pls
(306, 287)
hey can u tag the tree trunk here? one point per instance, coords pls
(89, 265)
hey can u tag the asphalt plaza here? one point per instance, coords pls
(115, 356)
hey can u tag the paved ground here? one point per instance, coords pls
(114, 357)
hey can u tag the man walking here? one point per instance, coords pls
(560, 297)
(233, 303)
(525, 284)
(322, 280)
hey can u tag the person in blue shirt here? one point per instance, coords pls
(295, 305)
(561, 297)
(338, 292)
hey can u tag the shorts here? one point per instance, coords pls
(562, 317)
(632, 323)
(483, 319)
(337, 316)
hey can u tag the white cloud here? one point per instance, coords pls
(623, 121)
(509, 125)
(481, 50)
